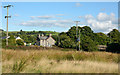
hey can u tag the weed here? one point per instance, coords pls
(19, 66)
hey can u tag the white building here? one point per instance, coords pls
(17, 38)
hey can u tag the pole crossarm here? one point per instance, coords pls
(7, 16)
(8, 6)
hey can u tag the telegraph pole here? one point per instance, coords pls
(7, 23)
(76, 27)
(79, 40)
(109, 35)
(76, 31)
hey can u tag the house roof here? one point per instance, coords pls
(5, 37)
(43, 37)
(17, 38)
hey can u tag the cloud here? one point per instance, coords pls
(48, 23)
(103, 17)
(105, 26)
(78, 5)
(45, 17)
(102, 22)
(88, 17)
(56, 16)
(42, 17)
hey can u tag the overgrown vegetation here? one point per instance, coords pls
(19, 42)
(57, 61)
(19, 66)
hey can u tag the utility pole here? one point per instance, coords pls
(76, 31)
(110, 38)
(58, 40)
(76, 27)
(109, 35)
(7, 23)
(79, 40)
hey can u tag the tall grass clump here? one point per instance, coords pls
(19, 66)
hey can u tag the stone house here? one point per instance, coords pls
(45, 41)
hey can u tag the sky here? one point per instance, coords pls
(60, 16)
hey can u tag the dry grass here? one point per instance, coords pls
(55, 61)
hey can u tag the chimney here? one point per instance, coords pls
(50, 35)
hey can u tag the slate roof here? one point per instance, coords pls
(5, 37)
(42, 38)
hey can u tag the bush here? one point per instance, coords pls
(65, 41)
(19, 66)
(19, 42)
(88, 44)
(113, 47)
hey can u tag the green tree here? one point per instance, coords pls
(55, 37)
(88, 44)
(31, 39)
(101, 38)
(87, 38)
(3, 43)
(113, 47)
(72, 33)
(11, 40)
(25, 38)
(65, 41)
(19, 42)
(114, 36)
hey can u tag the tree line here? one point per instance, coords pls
(89, 40)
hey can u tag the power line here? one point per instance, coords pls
(7, 23)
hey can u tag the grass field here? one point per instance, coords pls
(56, 61)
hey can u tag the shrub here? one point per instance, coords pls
(88, 44)
(19, 42)
(19, 66)
(69, 56)
(113, 47)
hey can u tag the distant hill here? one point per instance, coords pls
(32, 33)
